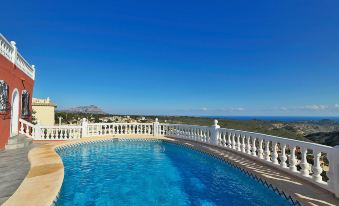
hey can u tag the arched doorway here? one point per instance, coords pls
(15, 113)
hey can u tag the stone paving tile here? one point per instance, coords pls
(14, 166)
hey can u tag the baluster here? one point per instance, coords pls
(267, 151)
(254, 147)
(200, 135)
(233, 141)
(275, 153)
(223, 138)
(74, 134)
(62, 133)
(243, 145)
(194, 136)
(21, 128)
(229, 141)
(260, 150)
(248, 145)
(283, 156)
(305, 168)
(238, 146)
(204, 135)
(53, 134)
(292, 159)
(317, 170)
(27, 130)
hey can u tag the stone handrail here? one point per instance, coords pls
(316, 163)
(101, 129)
(10, 52)
(27, 128)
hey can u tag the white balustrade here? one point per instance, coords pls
(67, 132)
(9, 51)
(290, 155)
(102, 129)
(27, 128)
(316, 163)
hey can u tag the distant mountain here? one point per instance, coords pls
(91, 109)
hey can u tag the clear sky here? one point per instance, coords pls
(182, 57)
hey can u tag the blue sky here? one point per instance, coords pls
(182, 57)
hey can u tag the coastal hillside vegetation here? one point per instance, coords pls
(323, 131)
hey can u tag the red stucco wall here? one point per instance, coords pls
(15, 78)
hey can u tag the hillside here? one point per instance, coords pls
(327, 138)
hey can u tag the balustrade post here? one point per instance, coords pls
(334, 170)
(84, 128)
(156, 127)
(215, 132)
(15, 52)
(38, 134)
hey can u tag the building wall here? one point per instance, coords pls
(15, 79)
(44, 114)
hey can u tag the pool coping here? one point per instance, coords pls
(46, 173)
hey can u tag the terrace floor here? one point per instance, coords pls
(14, 166)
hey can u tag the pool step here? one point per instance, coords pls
(19, 141)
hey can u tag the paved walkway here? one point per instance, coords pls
(14, 166)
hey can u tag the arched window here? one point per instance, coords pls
(25, 104)
(4, 103)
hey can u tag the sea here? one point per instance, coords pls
(277, 118)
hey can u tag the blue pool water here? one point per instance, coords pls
(155, 173)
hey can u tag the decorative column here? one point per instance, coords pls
(84, 128)
(215, 133)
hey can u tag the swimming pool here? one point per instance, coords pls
(139, 172)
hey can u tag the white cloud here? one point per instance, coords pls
(315, 107)
(238, 109)
(283, 108)
(336, 106)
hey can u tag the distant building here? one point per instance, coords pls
(44, 111)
